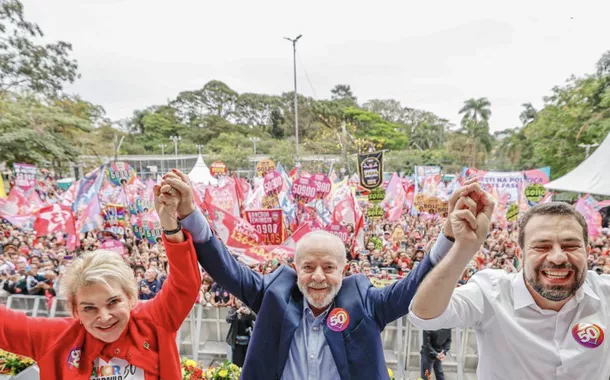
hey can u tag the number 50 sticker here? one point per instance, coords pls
(338, 319)
(588, 334)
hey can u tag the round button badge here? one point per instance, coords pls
(338, 319)
(588, 335)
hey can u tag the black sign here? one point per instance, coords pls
(370, 168)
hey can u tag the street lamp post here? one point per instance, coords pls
(254, 140)
(296, 111)
(588, 148)
(175, 139)
(199, 149)
(162, 146)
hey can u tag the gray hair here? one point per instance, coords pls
(334, 244)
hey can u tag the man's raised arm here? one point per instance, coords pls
(470, 223)
(213, 256)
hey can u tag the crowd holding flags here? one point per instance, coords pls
(275, 208)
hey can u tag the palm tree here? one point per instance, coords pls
(475, 124)
(476, 109)
(528, 114)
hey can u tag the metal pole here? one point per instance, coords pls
(162, 146)
(296, 109)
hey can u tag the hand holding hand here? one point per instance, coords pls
(167, 200)
(471, 218)
(181, 183)
(469, 187)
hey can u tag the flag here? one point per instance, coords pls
(56, 218)
(235, 232)
(16, 203)
(585, 206)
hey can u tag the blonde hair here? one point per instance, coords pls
(98, 267)
(333, 243)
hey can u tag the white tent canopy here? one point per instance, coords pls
(201, 173)
(592, 176)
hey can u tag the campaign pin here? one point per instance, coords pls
(588, 335)
(338, 319)
(74, 357)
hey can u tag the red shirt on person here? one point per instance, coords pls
(63, 349)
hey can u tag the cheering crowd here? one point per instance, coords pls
(31, 265)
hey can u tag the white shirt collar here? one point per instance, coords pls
(523, 297)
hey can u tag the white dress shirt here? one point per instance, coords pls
(518, 340)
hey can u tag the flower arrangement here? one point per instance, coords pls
(226, 371)
(11, 364)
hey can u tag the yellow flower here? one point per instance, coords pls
(190, 363)
(223, 373)
(390, 373)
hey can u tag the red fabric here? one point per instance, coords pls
(149, 341)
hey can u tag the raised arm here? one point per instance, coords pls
(174, 302)
(470, 222)
(238, 279)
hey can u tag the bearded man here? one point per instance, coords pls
(547, 321)
(312, 322)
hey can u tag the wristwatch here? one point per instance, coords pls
(173, 232)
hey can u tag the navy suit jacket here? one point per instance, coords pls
(278, 303)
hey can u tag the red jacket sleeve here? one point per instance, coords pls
(174, 302)
(28, 336)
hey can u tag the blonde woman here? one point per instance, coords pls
(111, 335)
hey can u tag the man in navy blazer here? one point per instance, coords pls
(333, 332)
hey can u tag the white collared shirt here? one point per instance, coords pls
(518, 340)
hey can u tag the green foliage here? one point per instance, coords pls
(26, 64)
(374, 128)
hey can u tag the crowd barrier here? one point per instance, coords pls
(203, 333)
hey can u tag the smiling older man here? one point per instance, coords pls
(312, 322)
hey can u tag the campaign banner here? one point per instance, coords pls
(25, 176)
(115, 219)
(218, 168)
(120, 173)
(235, 232)
(224, 197)
(265, 253)
(269, 224)
(264, 166)
(304, 190)
(514, 186)
(370, 169)
(322, 184)
(427, 180)
(114, 246)
(273, 182)
(339, 231)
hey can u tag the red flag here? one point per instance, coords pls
(235, 232)
(303, 230)
(56, 218)
(264, 253)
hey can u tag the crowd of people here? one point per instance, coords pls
(31, 265)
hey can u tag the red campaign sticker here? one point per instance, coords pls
(338, 319)
(588, 335)
(74, 357)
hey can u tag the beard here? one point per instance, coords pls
(315, 300)
(556, 292)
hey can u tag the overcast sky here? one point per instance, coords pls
(431, 55)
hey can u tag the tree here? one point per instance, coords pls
(603, 65)
(528, 114)
(35, 132)
(343, 93)
(475, 124)
(26, 65)
(256, 109)
(476, 109)
(277, 120)
(375, 129)
(389, 109)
